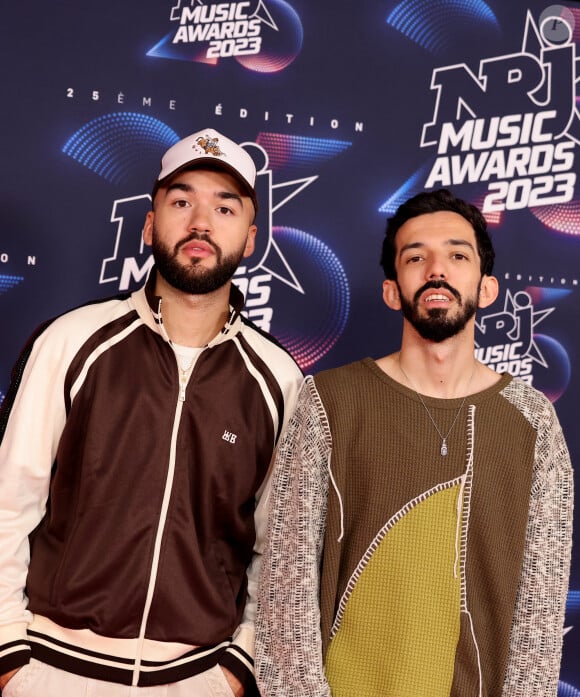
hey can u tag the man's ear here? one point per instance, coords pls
(250, 241)
(148, 228)
(391, 294)
(488, 291)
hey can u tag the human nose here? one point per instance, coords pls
(199, 218)
(436, 268)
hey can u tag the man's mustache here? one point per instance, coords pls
(201, 237)
(436, 285)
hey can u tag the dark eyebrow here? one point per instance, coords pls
(226, 195)
(452, 242)
(458, 242)
(179, 186)
(187, 188)
(411, 245)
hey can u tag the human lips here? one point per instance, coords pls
(197, 248)
(437, 293)
(436, 297)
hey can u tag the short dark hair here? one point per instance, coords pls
(432, 202)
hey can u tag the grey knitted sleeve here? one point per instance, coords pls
(288, 642)
(536, 634)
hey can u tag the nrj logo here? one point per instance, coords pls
(262, 35)
(509, 342)
(514, 125)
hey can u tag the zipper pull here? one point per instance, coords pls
(182, 385)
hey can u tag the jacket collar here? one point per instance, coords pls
(233, 322)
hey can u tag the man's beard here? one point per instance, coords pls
(192, 277)
(437, 326)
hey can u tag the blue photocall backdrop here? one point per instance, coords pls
(347, 110)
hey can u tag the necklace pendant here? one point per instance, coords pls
(444, 447)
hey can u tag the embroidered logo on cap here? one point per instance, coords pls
(209, 145)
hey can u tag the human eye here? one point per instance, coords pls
(181, 203)
(225, 210)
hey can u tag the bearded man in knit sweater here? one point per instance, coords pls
(421, 512)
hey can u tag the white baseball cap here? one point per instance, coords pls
(208, 147)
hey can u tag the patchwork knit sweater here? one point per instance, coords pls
(394, 571)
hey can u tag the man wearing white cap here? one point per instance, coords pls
(136, 441)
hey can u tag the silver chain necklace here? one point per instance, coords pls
(444, 448)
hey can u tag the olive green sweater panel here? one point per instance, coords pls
(400, 624)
